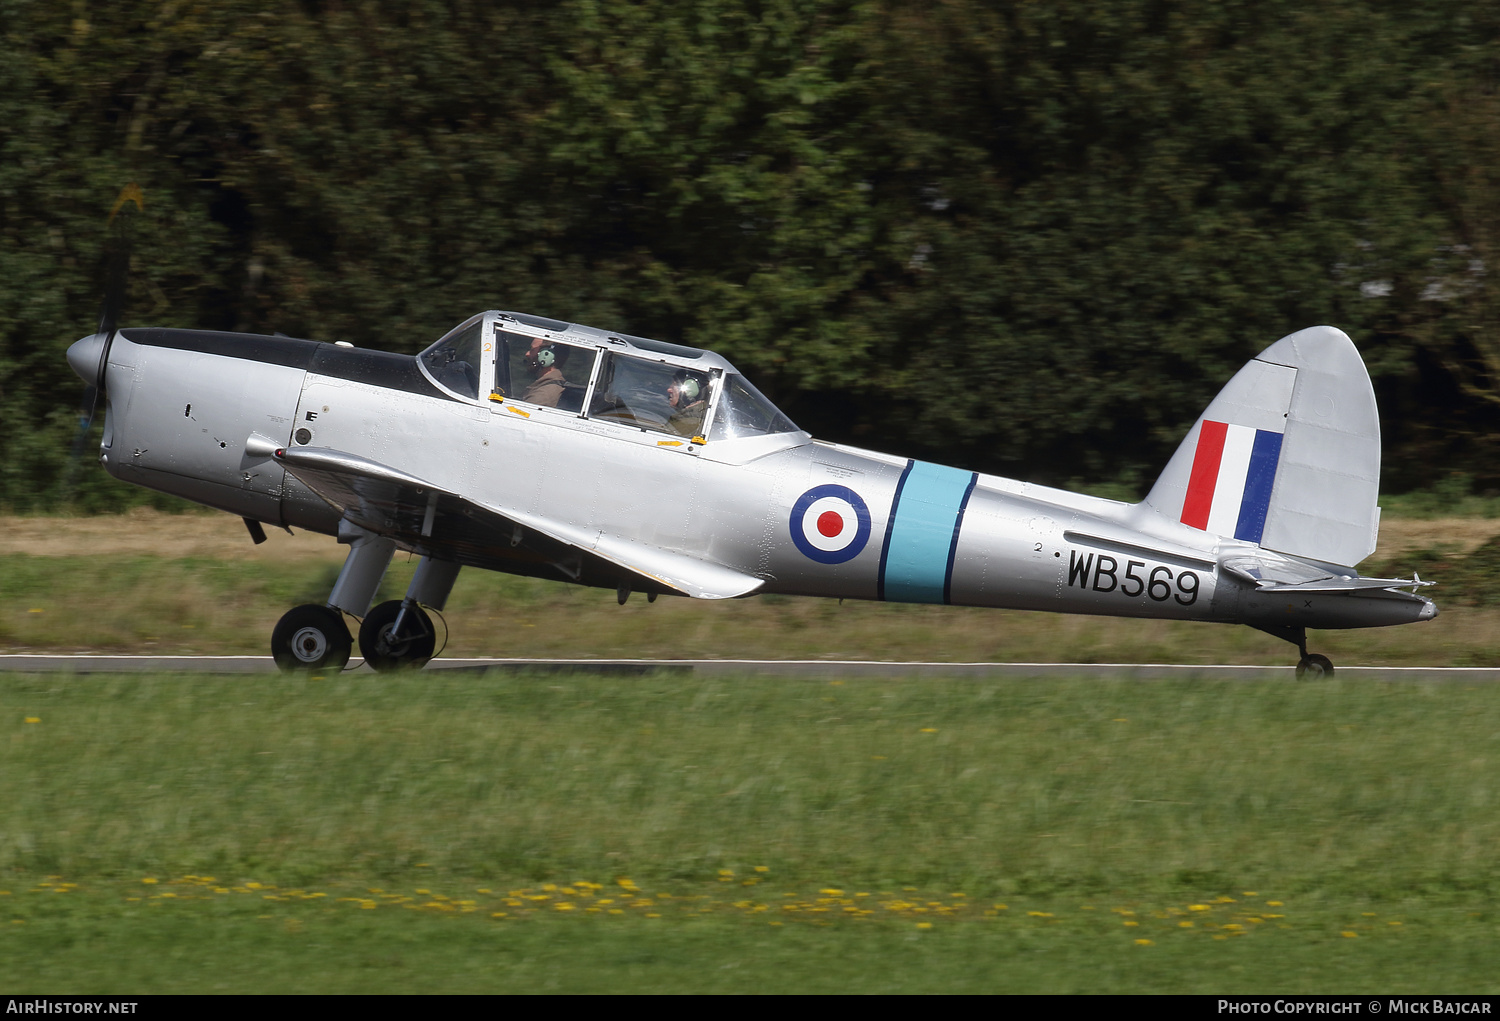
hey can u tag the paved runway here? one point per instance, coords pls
(807, 669)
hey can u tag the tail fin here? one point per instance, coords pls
(1287, 456)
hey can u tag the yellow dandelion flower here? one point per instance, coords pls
(929, 730)
(1349, 934)
(1144, 943)
(149, 882)
(1392, 923)
(33, 719)
(924, 925)
(1198, 907)
(762, 868)
(1274, 904)
(1249, 893)
(1184, 925)
(1128, 922)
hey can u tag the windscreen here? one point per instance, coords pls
(745, 411)
(454, 360)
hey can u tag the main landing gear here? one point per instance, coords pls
(1310, 667)
(396, 634)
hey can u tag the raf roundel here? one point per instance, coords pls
(830, 524)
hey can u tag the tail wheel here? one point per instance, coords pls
(311, 637)
(384, 650)
(1314, 667)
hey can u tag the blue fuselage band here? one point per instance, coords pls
(916, 564)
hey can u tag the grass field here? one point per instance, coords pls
(473, 833)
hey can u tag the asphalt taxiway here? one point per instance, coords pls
(793, 668)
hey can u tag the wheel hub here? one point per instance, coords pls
(390, 644)
(309, 644)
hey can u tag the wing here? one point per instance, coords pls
(433, 521)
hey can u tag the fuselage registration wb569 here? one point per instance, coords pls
(523, 444)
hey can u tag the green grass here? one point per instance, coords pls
(403, 834)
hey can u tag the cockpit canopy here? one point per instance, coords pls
(631, 381)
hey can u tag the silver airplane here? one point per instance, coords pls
(538, 447)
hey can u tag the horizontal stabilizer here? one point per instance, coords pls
(1286, 575)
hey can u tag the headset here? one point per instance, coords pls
(547, 356)
(688, 388)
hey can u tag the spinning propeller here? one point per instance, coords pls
(89, 357)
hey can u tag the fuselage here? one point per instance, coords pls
(806, 517)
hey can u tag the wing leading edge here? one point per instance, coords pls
(433, 521)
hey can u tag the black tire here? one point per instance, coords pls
(412, 652)
(1314, 668)
(311, 637)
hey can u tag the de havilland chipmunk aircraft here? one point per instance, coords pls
(538, 447)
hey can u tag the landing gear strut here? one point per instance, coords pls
(1310, 667)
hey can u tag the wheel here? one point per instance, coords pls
(1314, 667)
(412, 649)
(311, 637)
